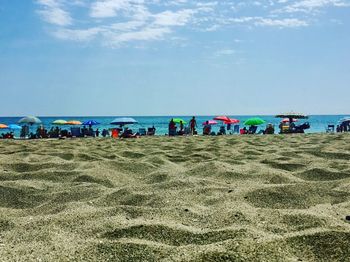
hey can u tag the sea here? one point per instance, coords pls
(318, 123)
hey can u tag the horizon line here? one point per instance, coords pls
(170, 115)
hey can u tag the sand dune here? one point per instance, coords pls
(232, 198)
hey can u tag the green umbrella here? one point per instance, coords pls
(178, 120)
(59, 122)
(255, 121)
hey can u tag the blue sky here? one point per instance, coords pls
(181, 57)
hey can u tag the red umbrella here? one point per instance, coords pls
(209, 122)
(231, 121)
(286, 120)
(222, 118)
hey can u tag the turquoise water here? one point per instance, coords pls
(318, 122)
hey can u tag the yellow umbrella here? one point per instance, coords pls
(73, 123)
(59, 122)
(2, 126)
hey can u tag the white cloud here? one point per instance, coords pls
(116, 22)
(169, 18)
(52, 12)
(282, 23)
(308, 6)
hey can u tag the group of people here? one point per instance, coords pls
(190, 130)
(269, 130)
(8, 135)
(343, 127)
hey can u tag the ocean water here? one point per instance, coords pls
(318, 122)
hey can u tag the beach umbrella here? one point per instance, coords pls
(14, 127)
(222, 118)
(3, 126)
(231, 121)
(73, 123)
(90, 123)
(123, 121)
(292, 115)
(178, 120)
(209, 122)
(255, 121)
(345, 119)
(59, 122)
(29, 120)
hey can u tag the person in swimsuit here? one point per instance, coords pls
(193, 125)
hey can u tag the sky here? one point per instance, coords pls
(174, 57)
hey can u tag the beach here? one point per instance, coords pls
(227, 198)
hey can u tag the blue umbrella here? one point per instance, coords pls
(14, 127)
(90, 123)
(123, 121)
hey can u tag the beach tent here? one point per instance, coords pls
(29, 120)
(123, 121)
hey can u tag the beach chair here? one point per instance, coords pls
(236, 129)
(252, 129)
(142, 131)
(222, 130)
(172, 132)
(330, 128)
(151, 131)
(187, 130)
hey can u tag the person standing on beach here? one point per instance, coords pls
(193, 125)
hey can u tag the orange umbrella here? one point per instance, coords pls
(2, 126)
(73, 123)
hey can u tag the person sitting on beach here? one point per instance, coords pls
(172, 128)
(193, 125)
(181, 131)
(243, 131)
(206, 129)
(222, 131)
(91, 131)
(105, 133)
(291, 127)
(128, 134)
(115, 132)
(269, 129)
(151, 131)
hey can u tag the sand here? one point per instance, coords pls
(232, 198)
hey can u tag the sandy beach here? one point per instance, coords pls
(230, 198)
